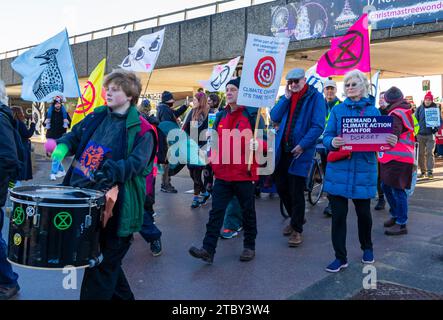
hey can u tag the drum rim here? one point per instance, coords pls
(45, 268)
(96, 195)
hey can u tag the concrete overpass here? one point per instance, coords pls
(192, 47)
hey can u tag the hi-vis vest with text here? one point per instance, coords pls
(404, 149)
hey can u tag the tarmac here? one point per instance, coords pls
(278, 272)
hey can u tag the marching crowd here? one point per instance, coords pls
(133, 145)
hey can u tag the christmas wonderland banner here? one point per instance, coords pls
(309, 19)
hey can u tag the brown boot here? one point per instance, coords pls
(389, 223)
(295, 239)
(247, 255)
(287, 230)
(396, 230)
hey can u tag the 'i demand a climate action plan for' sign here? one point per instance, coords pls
(366, 133)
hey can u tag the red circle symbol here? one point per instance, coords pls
(86, 105)
(264, 73)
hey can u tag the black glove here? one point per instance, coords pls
(102, 180)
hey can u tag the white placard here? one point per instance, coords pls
(262, 70)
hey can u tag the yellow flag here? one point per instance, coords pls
(92, 95)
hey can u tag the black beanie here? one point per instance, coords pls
(234, 82)
(166, 96)
(393, 95)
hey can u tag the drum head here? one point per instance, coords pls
(56, 194)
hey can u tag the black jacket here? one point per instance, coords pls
(165, 113)
(9, 162)
(25, 135)
(57, 130)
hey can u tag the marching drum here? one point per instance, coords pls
(55, 226)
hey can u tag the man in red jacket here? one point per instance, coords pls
(229, 162)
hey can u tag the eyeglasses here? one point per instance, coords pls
(353, 85)
(293, 81)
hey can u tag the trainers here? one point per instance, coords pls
(52, 177)
(247, 255)
(201, 254)
(287, 230)
(228, 234)
(328, 211)
(60, 174)
(168, 189)
(295, 239)
(204, 198)
(389, 223)
(195, 203)
(156, 247)
(7, 293)
(396, 230)
(239, 229)
(336, 266)
(380, 204)
(420, 176)
(430, 175)
(368, 256)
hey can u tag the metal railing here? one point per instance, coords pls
(152, 22)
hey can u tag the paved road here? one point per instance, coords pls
(278, 272)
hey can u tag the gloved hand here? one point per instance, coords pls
(11, 184)
(102, 180)
(60, 152)
(392, 139)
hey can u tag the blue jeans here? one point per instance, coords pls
(149, 230)
(233, 215)
(56, 167)
(8, 278)
(398, 201)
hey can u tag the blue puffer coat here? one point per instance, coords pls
(355, 178)
(308, 128)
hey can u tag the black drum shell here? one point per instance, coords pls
(54, 235)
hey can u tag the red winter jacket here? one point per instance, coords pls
(222, 161)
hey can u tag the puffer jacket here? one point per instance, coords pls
(354, 178)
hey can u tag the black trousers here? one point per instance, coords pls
(291, 190)
(381, 193)
(107, 281)
(222, 194)
(339, 206)
(196, 175)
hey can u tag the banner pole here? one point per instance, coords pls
(147, 84)
(251, 153)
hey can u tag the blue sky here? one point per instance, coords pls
(29, 22)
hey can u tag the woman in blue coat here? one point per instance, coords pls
(352, 177)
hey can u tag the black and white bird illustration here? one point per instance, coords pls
(50, 80)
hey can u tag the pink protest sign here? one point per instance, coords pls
(366, 134)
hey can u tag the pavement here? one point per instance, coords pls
(278, 272)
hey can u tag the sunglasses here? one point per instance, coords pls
(293, 81)
(353, 85)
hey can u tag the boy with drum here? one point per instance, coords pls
(113, 146)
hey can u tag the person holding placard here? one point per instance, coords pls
(396, 164)
(234, 134)
(425, 136)
(351, 175)
(301, 115)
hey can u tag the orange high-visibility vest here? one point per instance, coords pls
(404, 149)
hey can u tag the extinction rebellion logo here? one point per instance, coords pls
(264, 73)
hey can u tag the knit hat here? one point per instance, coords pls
(167, 96)
(234, 82)
(429, 96)
(393, 95)
(146, 103)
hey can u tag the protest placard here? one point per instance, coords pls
(366, 133)
(432, 117)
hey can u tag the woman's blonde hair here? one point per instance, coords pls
(203, 108)
(363, 82)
